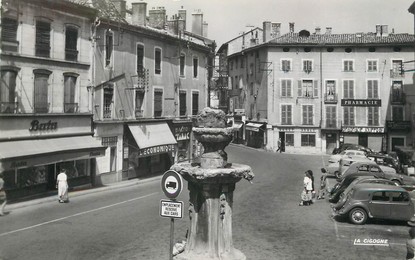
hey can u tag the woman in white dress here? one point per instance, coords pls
(62, 185)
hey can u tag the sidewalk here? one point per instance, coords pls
(52, 196)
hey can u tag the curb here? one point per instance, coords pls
(81, 192)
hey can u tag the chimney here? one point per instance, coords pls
(385, 30)
(139, 16)
(182, 16)
(318, 31)
(378, 30)
(291, 27)
(266, 31)
(157, 17)
(275, 30)
(197, 23)
(205, 29)
(120, 5)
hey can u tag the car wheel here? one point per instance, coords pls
(358, 216)
(397, 183)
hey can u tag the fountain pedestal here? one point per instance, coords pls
(211, 184)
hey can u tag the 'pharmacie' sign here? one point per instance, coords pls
(356, 129)
(361, 102)
(156, 150)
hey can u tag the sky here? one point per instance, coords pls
(228, 18)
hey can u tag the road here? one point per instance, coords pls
(267, 221)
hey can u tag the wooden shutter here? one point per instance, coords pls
(42, 39)
(158, 103)
(140, 59)
(41, 93)
(157, 61)
(284, 114)
(284, 88)
(315, 88)
(195, 103)
(9, 29)
(182, 101)
(69, 89)
(300, 90)
(289, 114)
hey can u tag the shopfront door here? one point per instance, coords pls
(331, 142)
(363, 140)
(51, 176)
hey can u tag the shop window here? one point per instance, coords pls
(182, 103)
(308, 140)
(8, 90)
(109, 47)
(195, 67)
(307, 114)
(71, 43)
(347, 65)
(42, 47)
(372, 65)
(348, 89)
(286, 114)
(82, 168)
(157, 61)
(31, 176)
(286, 88)
(69, 93)
(158, 103)
(9, 34)
(372, 89)
(195, 103)
(139, 101)
(182, 64)
(373, 116)
(41, 88)
(289, 139)
(348, 116)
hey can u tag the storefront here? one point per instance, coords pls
(398, 133)
(149, 149)
(182, 131)
(371, 137)
(37, 147)
(255, 134)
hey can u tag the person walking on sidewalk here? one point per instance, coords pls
(279, 143)
(62, 185)
(3, 197)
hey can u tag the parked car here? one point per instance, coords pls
(385, 159)
(337, 168)
(348, 146)
(377, 201)
(345, 154)
(369, 168)
(358, 181)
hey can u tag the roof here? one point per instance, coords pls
(377, 187)
(344, 39)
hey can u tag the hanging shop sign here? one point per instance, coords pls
(182, 132)
(361, 102)
(357, 129)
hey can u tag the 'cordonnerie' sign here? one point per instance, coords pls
(361, 102)
(156, 150)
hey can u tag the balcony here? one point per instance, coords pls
(398, 98)
(399, 125)
(8, 107)
(107, 113)
(330, 98)
(396, 74)
(70, 108)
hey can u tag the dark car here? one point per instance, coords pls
(368, 200)
(385, 159)
(348, 146)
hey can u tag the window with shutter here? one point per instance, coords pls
(348, 65)
(372, 89)
(348, 116)
(69, 94)
(373, 116)
(286, 117)
(41, 104)
(9, 34)
(157, 61)
(139, 101)
(307, 115)
(372, 65)
(195, 66)
(348, 89)
(195, 103)
(182, 64)
(285, 65)
(286, 88)
(71, 42)
(330, 116)
(307, 66)
(109, 46)
(300, 88)
(7, 91)
(182, 101)
(315, 82)
(108, 101)
(158, 103)
(140, 60)
(397, 113)
(42, 47)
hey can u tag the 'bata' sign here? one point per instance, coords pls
(36, 126)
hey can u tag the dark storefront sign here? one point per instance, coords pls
(399, 125)
(361, 102)
(357, 129)
(182, 132)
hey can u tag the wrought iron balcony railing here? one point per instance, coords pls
(398, 98)
(70, 108)
(330, 98)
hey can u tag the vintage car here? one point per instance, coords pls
(368, 200)
(348, 146)
(385, 159)
(345, 154)
(338, 167)
(359, 180)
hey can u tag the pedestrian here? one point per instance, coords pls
(62, 185)
(313, 191)
(3, 197)
(279, 143)
(410, 243)
(322, 189)
(306, 195)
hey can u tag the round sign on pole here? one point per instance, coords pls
(172, 184)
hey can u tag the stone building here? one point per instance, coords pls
(45, 120)
(150, 78)
(317, 90)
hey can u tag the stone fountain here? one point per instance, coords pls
(211, 184)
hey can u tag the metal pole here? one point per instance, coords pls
(171, 238)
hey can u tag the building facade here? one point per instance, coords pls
(45, 120)
(317, 90)
(150, 79)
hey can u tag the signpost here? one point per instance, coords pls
(172, 186)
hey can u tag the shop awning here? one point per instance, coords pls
(153, 138)
(253, 127)
(25, 153)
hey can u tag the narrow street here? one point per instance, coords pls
(125, 223)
